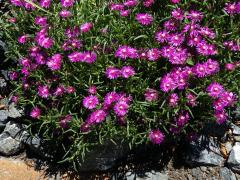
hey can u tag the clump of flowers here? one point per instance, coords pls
(134, 71)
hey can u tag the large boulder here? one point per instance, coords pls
(204, 151)
(234, 158)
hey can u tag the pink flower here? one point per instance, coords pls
(215, 90)
(156, 136)
(229, 66)
(45, 3)
(148, 3)
(191, 100)
(221, 116)
(144, 18)
(130, 3)
(175, 1)
(113, 73)
(43, 91)
(177, 14)
(110, 98)
(125, 13)
(70, 89)
(121, 108)
(67, 3)
(162, 36)
(55, 62)
(96, 117)
(153, 54)
(90, 102)
(127, 71)
(173, 100)
(64, 121)
(92, 90)
(86, 27)
(59, 91)
(65, 13)
(35, 113)
(41, 21)
(125, 52)
(151, 95)
(200, 70)
(116, 7)
(22, 39)
(182, 119)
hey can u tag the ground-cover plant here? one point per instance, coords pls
(134, 71)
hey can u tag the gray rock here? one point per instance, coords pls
(5, 74)
(235, 129)
(234, 158)
(13, 129)
(227, 174)
(8, 145)
(228, 146)
(237, 138)
(13, 112)
(3, 83)
(3, 116)
(104, 156)
(204, 152)
(147, 176)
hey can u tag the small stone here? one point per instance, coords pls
(235, 129)
(203, 168)
(13, 129)
(234, 158)
(8, 145)
(189, 176)
(237, 138)
(5, 74)
(228, 146)
(3, 83)
(3, 116)
(227, 174)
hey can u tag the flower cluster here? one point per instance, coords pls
(222, 100)
(84, 74)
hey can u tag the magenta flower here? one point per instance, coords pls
(89, 57)
(65, 13)
(45, 3)
(212, 66)
(200, 70)
(182, 119)
(85, 127)
(221, 116)
(70, 90)
(127, 71)
(35, 113)
(177, 14)
(121, 108)
(162, 36)
(151, 95)
(176, 39)
(96, 117)
(67, 3)
(90, 102)
(17, 3)
(124, 13)
(76, 57)
(148, 3)
(153, 54)
(41, 21)
(195, 16)
(116, 7)
(59, 91)
(215, 90)
(191, 100)
(86, 27)
(124, 52)
(144, 18)
(173, 100)
(231, 8)
(43, 91)
(206, 49)
(55, 62)
(229, 98)
(156, 136)
(110, 98)
(130, 3)
(113, 73)
(229, 66)
(22, 39)
(92, 90)
(167, 83)
(175, 1)
(64, 121)
(170, 25)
